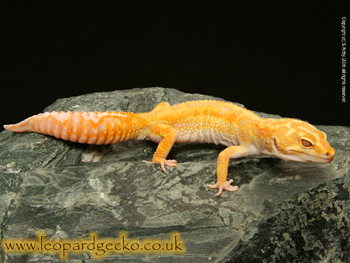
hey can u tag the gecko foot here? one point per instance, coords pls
(164, 162)
(224, 186)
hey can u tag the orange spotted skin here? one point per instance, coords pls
(242, 131)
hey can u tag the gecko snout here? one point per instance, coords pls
(329, 155)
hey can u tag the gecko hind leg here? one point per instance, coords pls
(168, 137)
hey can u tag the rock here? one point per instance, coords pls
(283, 212)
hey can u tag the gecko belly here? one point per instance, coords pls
(204, 136)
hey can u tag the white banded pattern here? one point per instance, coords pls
(83, 127)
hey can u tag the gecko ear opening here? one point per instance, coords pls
(305, 144)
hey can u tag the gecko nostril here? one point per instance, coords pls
(327, 153)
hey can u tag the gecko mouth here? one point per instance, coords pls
(314, 158)
(276, 146)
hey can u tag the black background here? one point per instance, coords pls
(280, 59)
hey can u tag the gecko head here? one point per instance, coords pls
(294, 140)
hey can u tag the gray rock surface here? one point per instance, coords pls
(283, 212)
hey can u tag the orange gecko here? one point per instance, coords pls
(242, 131)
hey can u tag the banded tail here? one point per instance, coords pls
(83, 127)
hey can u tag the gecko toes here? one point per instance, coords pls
(163, 162)
(224, 186)
(172, 163)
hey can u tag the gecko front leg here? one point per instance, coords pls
(230, 152)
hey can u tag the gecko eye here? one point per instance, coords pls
(305, 143)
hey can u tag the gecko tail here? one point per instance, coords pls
(37, 123)
(23, 126)
(14, 127)
(82, 127)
